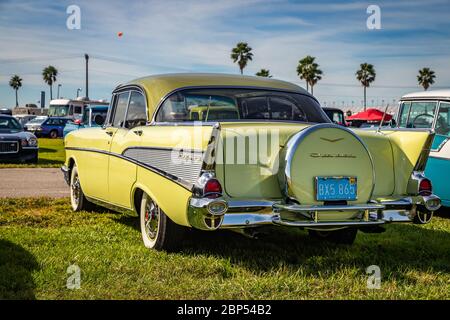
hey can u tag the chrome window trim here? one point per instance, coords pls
(164, 98)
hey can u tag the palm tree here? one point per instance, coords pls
(242, 55)
(16, 83)
(315, 75)
(426, 77)
(263, 73)
(309, 71)
(49, 75)
(366, 75)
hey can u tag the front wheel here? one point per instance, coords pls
(77, 198)
(341, 236)
(158, 231)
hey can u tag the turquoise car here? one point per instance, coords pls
(93, 116)
(431, 109)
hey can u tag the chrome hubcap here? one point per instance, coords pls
(151, 219)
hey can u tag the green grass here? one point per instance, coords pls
(40, 238)
(51, 155)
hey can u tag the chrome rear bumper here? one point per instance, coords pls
(246, 214)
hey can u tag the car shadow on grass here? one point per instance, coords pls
(402, 246)
(16, 267)
(47, 150)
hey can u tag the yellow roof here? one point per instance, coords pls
(158, 86)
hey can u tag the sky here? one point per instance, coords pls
(197, 36)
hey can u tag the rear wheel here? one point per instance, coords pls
(158, 231)
(341, 236)
(77, 198)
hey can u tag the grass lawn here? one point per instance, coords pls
(40, 238)
(51, 154)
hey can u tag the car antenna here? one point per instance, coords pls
(382, 119)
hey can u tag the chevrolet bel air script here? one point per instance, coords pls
(211, 152)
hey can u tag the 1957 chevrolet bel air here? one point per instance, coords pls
(213, 152)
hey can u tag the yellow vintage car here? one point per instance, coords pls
(210, 152)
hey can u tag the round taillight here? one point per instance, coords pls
(425, 187)
(212, 187)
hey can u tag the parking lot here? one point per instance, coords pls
(32, 182)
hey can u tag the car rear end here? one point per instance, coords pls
(316, 176)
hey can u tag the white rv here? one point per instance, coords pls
(69, 108)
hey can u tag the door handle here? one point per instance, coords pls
(110, 133)
(138, 132)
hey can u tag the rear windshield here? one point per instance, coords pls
(210, 104)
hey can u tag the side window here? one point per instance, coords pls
(404, 112)
(443, 120)
(118, 113)
(137, 114)
(77, 110)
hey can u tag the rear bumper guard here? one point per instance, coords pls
(245, 214)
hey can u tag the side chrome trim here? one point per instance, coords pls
(110, 206)
(185, 184)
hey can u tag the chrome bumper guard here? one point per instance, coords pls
(245, 214)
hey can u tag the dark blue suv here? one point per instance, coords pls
(51, 127)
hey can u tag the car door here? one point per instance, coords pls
(93, 165)
(60, 126)
(122, 172)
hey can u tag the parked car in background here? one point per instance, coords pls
(24, 118)
(51, 127)
(35, 123)
(6, 111)
(431, 110)
(15, 143)
(279, 162)
(335, 115)
(94, 116)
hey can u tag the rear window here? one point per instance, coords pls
(211, 104)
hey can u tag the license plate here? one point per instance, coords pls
(336, 188)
